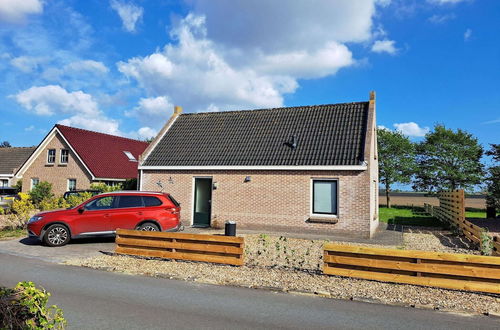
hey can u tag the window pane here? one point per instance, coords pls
(64, 155)
(102, 203)
(72, 184)
(151, 201)
(130, 201)
(325, 197)
(51, 156)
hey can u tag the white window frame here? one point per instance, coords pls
(61, 157)
(68, 187)
(4, 183)
(323, 215)
(34, 185)
(49, 156)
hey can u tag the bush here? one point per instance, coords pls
(22, 210)
(75, 200)
(53, 203)
(103, 188)
(25, 307)
(40, 192)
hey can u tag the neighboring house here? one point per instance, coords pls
(11, 160)
(304, 169)
(72, 158)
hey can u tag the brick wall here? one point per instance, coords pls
(57, 174)
(275, 200)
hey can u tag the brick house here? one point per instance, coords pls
(304, 169)
(72, 158)
(11, 160)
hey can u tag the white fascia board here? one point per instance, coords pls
(77, 156)
(109, 179)
(7, 175)
(262, 168)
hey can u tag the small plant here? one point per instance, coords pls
(25, 307)
(486, 242)
(21, 211)
(103, 188)
(75, 200)
(40, 192)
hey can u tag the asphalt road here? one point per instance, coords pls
(94, 299)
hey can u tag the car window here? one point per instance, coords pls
(102, 203)
(129, 201)
(151, 201)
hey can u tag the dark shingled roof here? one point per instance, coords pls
(331, 134)
(12, 158)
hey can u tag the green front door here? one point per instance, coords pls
(202, 202)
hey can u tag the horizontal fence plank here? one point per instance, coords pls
(207, 248)
(397, 278)
(413, 254)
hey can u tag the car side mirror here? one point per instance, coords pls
(80, 210)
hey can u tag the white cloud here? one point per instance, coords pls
(411, 129)
(154, 111)
(55, 100)
(445, 2)
(440, 19)
(384, 46)
(383, 127)
(383, 3)
(15, 11)
(87, 65)
(129, 13)
(146, 132)
(467, 34)
(27, 64)
(494, 121)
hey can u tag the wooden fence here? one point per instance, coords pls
(443, 270)
(452, 210)
(208, 248)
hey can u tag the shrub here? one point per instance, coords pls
(75, 200)
(53, 203)
(25, 307)
(103, 188)
(40, 192)
(22, 210)
(19, 185)
(486, 242)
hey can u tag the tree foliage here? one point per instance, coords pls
(396, 159)
(493, 178)
(448, 160)
(5, 144)
(43, 190)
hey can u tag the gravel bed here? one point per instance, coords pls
(288, 264)
(432, 239)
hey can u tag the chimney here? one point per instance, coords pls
(372, 95)
(177, 110)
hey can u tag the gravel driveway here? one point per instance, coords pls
(80, 248)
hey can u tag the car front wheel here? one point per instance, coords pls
(148, 226)
(56, 235)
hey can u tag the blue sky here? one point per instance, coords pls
(119, 66)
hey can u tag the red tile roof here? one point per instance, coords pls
(104, 154)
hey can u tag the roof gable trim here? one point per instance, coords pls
(362, 167)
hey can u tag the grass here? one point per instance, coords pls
(475, 214)
(407, 216)
(11, 233)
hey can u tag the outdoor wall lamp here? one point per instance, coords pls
(247, 179)
(215, 185)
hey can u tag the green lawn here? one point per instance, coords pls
(12, 233)
(475, 214)
(407, 216)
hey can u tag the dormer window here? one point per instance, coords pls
(130, 156)
(51, 156)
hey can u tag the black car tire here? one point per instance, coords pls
(148, 226)
(56, 235)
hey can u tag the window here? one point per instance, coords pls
(130, 156)
(325, 194)
(129, 201)
(4, 183)
(71, 184)
(51, 156)
(64, 156)
(151, 201)
(102, 203)
(34, 182)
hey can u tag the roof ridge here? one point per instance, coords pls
(6, 148)
(94, 132)
(275, 109)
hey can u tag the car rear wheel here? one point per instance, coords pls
(148, 226)
(56, 235)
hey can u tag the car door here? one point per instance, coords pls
(128, 213)
(95, 217)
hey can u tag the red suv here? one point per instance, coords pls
(104, 213)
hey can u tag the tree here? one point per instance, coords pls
(5, 144)
(396, 159)
(493, 178)
(448, 160)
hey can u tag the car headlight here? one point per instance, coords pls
(35, 219)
